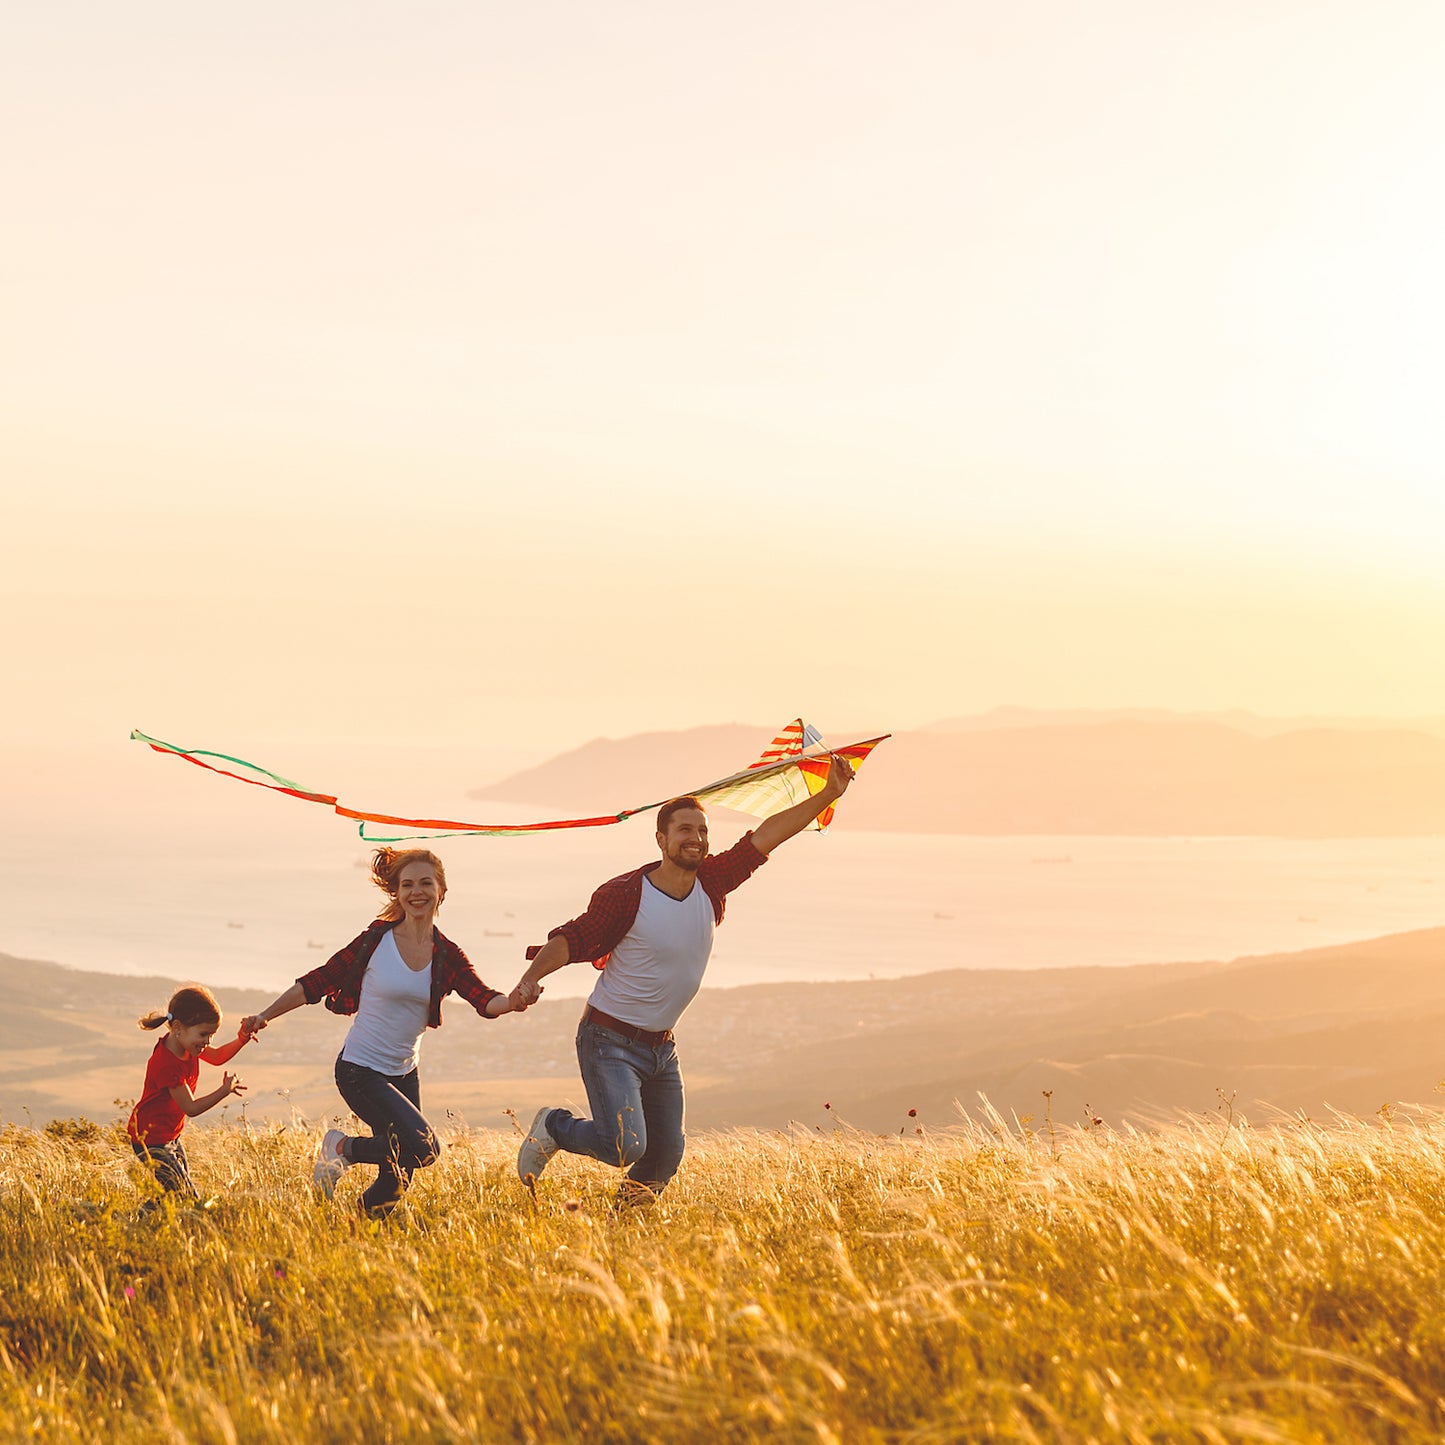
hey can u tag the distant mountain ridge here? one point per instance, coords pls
(1122, 776)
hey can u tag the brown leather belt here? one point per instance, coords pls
(650, 1037)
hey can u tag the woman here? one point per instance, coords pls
(393, 977)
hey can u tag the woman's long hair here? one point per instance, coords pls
(386, 866)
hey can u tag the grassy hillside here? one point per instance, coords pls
(1200, 1283)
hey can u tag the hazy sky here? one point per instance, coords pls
(514, 374)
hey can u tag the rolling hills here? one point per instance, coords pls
(1351, 1027)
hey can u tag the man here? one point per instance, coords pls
(650, 933)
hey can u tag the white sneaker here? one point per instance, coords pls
(537, 1148)
(331, 1163)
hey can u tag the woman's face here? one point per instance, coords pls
(418, 891)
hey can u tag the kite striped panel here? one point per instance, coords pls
(789, 743)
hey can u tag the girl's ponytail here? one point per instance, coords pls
(190, 1005)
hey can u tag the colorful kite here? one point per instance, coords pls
(792, 767)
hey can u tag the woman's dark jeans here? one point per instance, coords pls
(401, 1139)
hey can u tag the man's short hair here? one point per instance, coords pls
(675, 805)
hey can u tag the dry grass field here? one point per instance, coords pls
(1209, 1282)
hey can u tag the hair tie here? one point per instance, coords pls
(169, 1016)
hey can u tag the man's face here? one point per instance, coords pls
(685, 842)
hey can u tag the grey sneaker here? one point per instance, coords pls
(537, 1148)
(331, 1163)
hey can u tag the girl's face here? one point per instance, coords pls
(190, 1039)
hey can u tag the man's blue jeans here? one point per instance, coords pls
(635, 1092)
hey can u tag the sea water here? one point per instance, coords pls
(149, 866)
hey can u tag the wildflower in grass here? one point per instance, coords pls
(827, 1105)
(572, 1206)
(129, 1291)
(913, 1113)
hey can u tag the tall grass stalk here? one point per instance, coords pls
(1262, 1284)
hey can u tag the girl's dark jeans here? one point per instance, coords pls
(167, 1163)
(401, 1139)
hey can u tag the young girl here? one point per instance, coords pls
(168, 1098)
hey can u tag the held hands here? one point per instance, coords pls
(524, 995)
(252, 1025)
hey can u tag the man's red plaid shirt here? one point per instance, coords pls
(594, 934)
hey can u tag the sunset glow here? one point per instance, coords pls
(621, 369)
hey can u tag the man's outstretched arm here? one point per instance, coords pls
(550, 957)
(781, 826)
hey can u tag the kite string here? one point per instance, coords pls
(814, 769)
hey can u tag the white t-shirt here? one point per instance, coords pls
(392, 1013)
(657, 969)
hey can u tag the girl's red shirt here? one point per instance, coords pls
(157, 1118)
